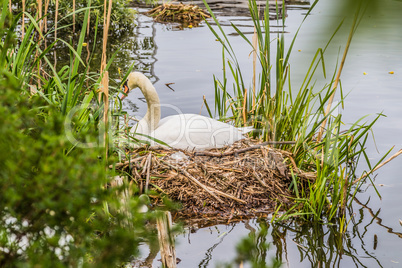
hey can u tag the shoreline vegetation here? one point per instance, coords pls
(61, 203)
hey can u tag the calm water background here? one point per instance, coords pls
(189, 58)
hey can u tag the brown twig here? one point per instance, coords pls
(149, 163)
(242, 150)
(226, 195)
(55, 29)
(194, 180)
(119, 165)
(168, 85)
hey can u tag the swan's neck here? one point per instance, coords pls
(153, 114)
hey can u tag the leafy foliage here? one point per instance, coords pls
(122, 16)
(55, 208)
(51, 210)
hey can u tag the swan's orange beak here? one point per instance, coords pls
(125, 90)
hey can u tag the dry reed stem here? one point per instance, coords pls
(105, 85)
(106, 22)
(89, 21)
(149, 163)
(56, 18)
(46, 9)
(40, 14)
(226, 195)
(166, 240)
(23, 20)
(244, 106)
(380, 165)
(73, 16)
(55, 29)
(9, 6)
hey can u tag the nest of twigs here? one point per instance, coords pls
(244, 180)
(182, 13)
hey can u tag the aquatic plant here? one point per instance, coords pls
(270, 104)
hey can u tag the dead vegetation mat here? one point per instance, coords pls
(178, 12)
(247, 179)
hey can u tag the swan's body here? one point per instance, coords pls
(182, 131)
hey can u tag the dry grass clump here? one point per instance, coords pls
(240, 181)
(183, 13)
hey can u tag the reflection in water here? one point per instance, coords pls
(144, 48)
(293, 244)
(376, 218)
(137, 46)
(239, 8)
(208, 254)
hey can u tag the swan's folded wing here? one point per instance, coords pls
(196, 132)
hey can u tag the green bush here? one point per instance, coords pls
(121, 17)
(55, 208)
(51, 205)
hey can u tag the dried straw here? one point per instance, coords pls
(55, 29)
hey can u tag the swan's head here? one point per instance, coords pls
(134, 79)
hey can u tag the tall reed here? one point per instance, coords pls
(278, 114)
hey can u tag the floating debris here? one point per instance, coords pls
(246, 179)
(188, 14)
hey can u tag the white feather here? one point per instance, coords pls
(182, 131)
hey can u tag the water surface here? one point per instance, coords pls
(189, 58)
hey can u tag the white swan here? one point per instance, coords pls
(181, 131)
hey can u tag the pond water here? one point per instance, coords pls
(190, 57)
